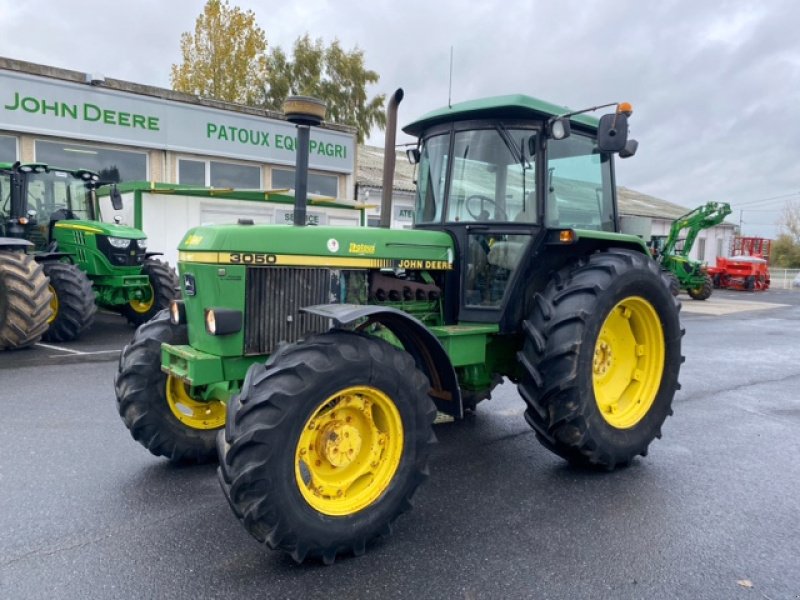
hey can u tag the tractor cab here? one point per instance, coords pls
(501, 173)
(44, 196)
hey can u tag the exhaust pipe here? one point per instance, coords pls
(389, 158)
(305, 112)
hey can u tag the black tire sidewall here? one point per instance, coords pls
(76, 301)
(633, 283)
(317, 532)
(145, 409)
(328, 528)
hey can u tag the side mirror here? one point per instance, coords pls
(612, 132)
(116, 198)
(413, 155)
(558, 129)
(630, 149)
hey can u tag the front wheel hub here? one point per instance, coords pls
(349, 450)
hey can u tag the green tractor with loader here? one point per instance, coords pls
(672, 250)
(89, 263)
(312, 361)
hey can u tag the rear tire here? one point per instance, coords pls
(163, 286)
(702, 292)
(24, 300)
(73, 305)
(281, 464)
(150, 403)
(601, 358)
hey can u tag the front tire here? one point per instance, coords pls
(163, 289)
(159, 410)
(601, 358)
(24, 300)
(326, 444)
(702, 292)
(72, 302)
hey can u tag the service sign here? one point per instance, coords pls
(39, 105)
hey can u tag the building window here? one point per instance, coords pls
(111, 165)
(231, 175)
(701, 249)
(192, 172)
(219, 174)
(8, 148)
(324, 185)
(719, 246)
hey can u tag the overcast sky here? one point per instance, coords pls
(715, 86)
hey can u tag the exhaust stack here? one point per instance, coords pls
(304, 112)
(389, 158)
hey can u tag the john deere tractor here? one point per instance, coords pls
(313, 360)
(672, 251)
(88, 262)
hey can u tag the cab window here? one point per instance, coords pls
(579, 190)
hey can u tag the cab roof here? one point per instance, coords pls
(515, 106)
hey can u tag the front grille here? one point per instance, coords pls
(130, 256)
(274, 296)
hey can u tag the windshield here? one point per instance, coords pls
(55, 191)
(490, 179)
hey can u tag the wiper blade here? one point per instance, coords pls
(509, 142)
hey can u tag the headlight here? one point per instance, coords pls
(177, 312)
(223, 321)
(120, 243)
(142, 244)
(211, 322)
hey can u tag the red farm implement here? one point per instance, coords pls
(746, 269)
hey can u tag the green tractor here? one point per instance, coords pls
(89, 263)
(515, 269)
(672, 250)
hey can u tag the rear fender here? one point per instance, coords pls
(428, 353)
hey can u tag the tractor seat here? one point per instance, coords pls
(508, 253)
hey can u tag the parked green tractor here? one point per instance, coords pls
(515, 269)
(89, 263)
(672, 251)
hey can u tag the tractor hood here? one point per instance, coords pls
(284, 245)
(100, 228)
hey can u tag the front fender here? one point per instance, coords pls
(428, 353)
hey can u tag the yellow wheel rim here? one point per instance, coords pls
(349, 451)
(193, 413)
(628, 362)
(143, 306)
(53, 304)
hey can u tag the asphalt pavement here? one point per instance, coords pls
(712, 512)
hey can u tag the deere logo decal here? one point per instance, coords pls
(193, 240)
(361, 248)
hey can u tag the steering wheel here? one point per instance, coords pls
(482, 214)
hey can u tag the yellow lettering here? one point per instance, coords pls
(361, 248)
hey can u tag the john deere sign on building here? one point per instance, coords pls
(48, 113)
